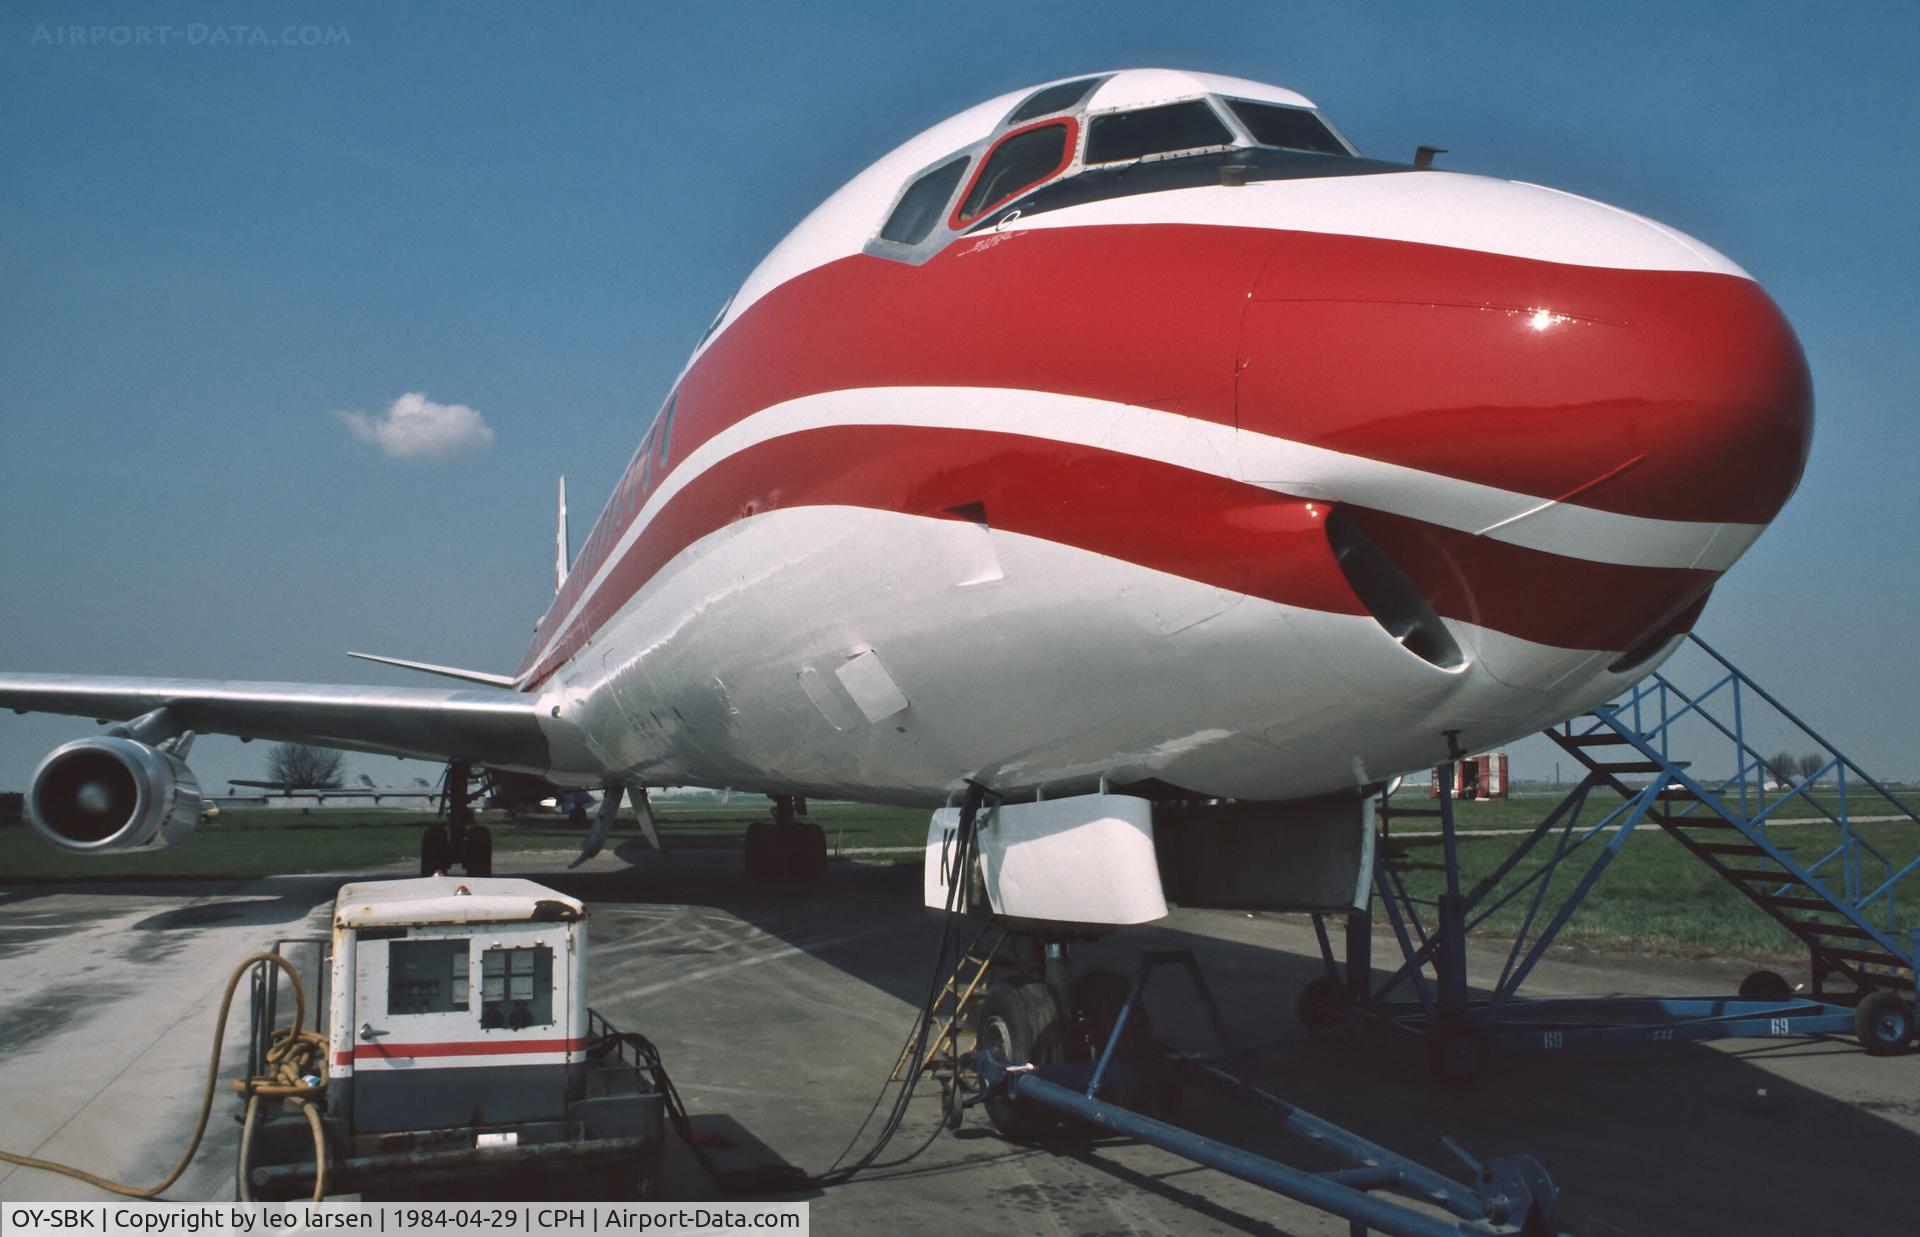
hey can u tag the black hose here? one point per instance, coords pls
(788, 1178)
(960, 876)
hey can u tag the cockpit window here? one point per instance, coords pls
(1020, 160)
(923, 203)
(1155, 131)
(717, 320)
(666, 427)
(1290, 128)
(1053, 99)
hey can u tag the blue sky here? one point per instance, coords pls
(208, 248)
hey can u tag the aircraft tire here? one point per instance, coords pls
(1766, 985)
(1458, 1050)
(436, 855)
(1019, 1019)
(808, 861)
(1320, 1004)
(1883, 1023)
(757, 853)
(479, 856)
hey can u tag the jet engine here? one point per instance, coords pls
(99, 795)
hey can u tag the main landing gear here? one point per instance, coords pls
(785, 852)
(460, 840)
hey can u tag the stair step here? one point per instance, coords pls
(1770, 878)
(1693, 820)
(1673, 793)
(1730, 848)
(1836, 929)
(1632, 766)
(1880, 956)
(1599, 738)
(1799, 904)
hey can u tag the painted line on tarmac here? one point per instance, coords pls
(774, 955)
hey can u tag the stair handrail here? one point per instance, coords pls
(1809, 731)
(1658, 682)
(1881, 936)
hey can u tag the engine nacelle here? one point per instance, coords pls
(100, 795)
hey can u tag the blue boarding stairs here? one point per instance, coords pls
(1826, 851)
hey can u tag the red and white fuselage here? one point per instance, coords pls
(1246, 470)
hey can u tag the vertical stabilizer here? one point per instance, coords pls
(560, 551)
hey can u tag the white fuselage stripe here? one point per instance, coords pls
(1220, 450)
(1476, 213)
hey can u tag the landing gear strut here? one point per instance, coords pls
(785, 852)
(460, 840)
(1048, 1016)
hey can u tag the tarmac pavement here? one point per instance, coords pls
(780, 1018)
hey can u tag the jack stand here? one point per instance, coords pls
(1359, 956)
(1450, 960)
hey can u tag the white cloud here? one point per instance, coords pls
(416, 428)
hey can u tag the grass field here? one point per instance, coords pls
(1655, 896)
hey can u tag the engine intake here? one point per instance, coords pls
(100, 795)
(1393, 600)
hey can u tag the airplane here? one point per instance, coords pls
(1127, 437)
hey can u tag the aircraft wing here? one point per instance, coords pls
(495, 728)
(285, 791)
(332, 792)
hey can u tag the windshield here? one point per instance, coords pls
(1052, 99)
(1019, 161)
(922, 205)
(1155, 131)
(1290, 128)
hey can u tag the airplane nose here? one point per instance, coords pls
(1668, 387)
(1667, 394)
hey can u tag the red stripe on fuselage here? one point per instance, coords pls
(1226, 533)
(1429, 362)
(1016, 310)
(1355, 344)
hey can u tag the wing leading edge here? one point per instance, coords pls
(494, 728)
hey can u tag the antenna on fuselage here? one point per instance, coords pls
(560, 554)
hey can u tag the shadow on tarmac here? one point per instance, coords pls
(1670, 1138)
(1664, 1138)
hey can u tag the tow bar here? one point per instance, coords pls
(1509, 1194)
